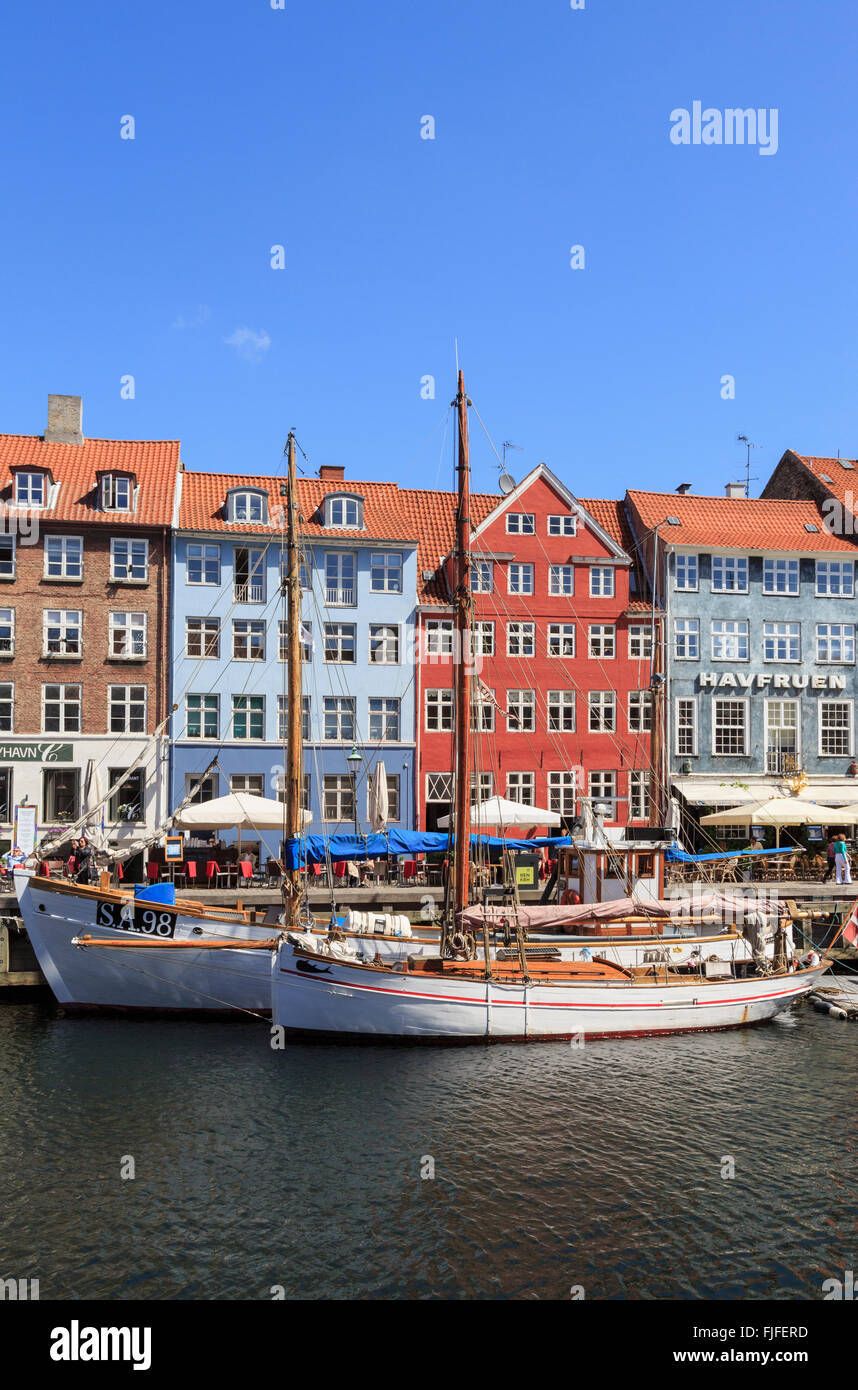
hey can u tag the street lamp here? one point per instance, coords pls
(354, 761)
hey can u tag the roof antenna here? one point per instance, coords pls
(506, 482)
(743, 439)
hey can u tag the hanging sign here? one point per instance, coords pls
(25, 828)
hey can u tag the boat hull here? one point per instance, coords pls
(314, 994)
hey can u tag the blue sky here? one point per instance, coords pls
(256, 127)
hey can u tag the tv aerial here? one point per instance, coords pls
(743, 439)
(506, 482)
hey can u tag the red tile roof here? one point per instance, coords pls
(839, 476)
(737, 523)
(155, 462)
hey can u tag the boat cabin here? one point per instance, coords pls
(607, 871)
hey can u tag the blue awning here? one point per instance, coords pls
(679, 856)
(314, 849)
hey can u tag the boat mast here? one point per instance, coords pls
(462, 820)
(294, 747)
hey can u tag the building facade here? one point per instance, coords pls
(359, 578)
(759, 627)
(84, 589)
(561, 662)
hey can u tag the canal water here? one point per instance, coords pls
(307, 1172)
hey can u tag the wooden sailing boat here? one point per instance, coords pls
(319, 990)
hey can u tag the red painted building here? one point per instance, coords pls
(562, 654)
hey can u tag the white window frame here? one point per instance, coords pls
(7, 619)
(208, 555)
(561, 581)
(689, 635)
(128, 543)
(729, 565)
(111, 485)
(121, 697)
(847, 636)
(775, 637)
(65, 700)
(829, 567)
(643, 702)
(254, 708)
(603, 583)
(482, 576)
(640, 633)
(686, 561)
(383, 635)
(134, 624)
(339, 635)
(244, 502)
(520, 524)
(679, 727)
(340, 594)
(389, 567)
(70, 557)
(391, 710)
(605, 702)
(438, 636)
(521, 788)
(248, 639)
(741, 631)
(25, 480)
(775, 567)
(208, 704)
(62, 620)
(640, 789)
(566, 524)
(523, 636)
(599, 637)
(343, 512)
(561, 711)
(521, 703)
(850, 706)
(439, 702)
(560, 634)
(344, 708)
(732, 700)
(205, 639)
(520, 575)
(563, 789)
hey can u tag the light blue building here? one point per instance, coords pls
(359, 583)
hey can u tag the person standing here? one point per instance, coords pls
(830, 855)
(841, 861)
(83, 861)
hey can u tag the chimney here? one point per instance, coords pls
(332, 472)
(684, 489)
(65, 420)
(734, 490)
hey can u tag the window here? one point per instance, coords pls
(392, 797)
(603, 791)
(520, 579)
(483, 711)
(521, 707)
(439, 637)
(601, 581)
(30, 489)
(251, 783)
(602, 640)
(202, 637)
(482, 577)
(562, 789)
(439, 710)
(251, 507)
(640, 642)
(7, 631)
(602, 711)
(340, 579)
(128, 803)
(561, 579)
(280, 782)
(306, 641)
(729, 574)
(344, 512)
(520, 524)
(129, 561)
(62, 794)
(686, 728)
(201, 789)
(248, 716)
(640, 711)
(520, 639)
(383, 644)
(561, 711)
(7, 707)
(6, 802)
(61, 631)
(340, 642)
(202, 716)
(686, 575)
(729, 640)
(127, 709)
(128, 635)
(338, 803)
(339, 719)
(638, 796)
(439, 786)
(781, 641)
(686, 639)
(562, 525)
(780, 576)
(282, 714)
(835, 578)
(7, 557)
(383, 720)
(521, 787)
(834, 641)
(483, 638)
(730, 728)
(482, 786)
(249, 577)
(782, 736)
(385, 573)
(203, 564)
(63, 557)
(248, 639)
(61, 709)
(561, 639)
(835, 729)
(117, 492)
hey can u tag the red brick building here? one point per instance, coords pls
(562, 654)
(84, 620)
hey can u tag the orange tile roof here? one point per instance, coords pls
(840, 476)
(155, 462)
(737, 523)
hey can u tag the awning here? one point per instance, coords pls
(718, 791)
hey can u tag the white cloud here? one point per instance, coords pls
(249, 344)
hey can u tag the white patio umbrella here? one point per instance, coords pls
(237, 811)
(92, 795)
(379, 801)
(783, 810)
(497, 811)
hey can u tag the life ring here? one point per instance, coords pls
(569, 898)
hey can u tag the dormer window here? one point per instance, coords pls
(248, 505)
(31, 489)
(344, 511)
(117, 492)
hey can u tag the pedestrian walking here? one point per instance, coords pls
(841, 861)
(829, 850)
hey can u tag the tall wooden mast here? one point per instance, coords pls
(294, 747)
(462, 820)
